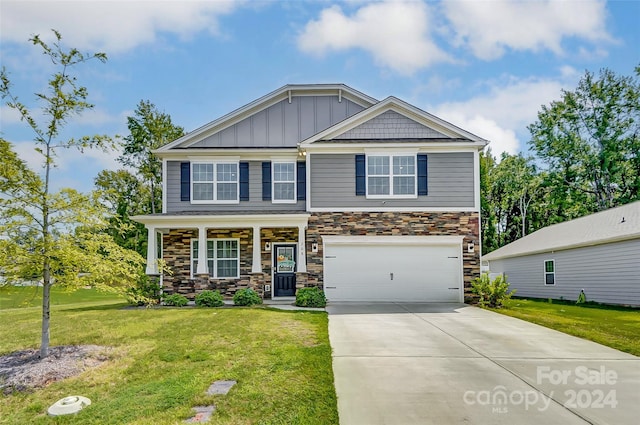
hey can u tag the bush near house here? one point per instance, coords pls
(175, 300)
(491, 293)
(310, 297)
(209, 299)
(246, 297)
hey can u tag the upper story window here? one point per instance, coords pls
(284, 182)
(214, 182)
(391, 176)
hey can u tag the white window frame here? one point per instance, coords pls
(213, 273)
(553, 273)
(215, 182)
(274, 182)
(391, 176)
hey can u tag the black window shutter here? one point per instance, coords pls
(422, 175)
(301, 180)
(361, 176)
(185, 181)
(244, 181)
(266, 181)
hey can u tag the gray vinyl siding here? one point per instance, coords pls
(450, 183)
(608, 273)
(284, 124)
(391, 125)
(255, 202)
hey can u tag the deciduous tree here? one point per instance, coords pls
(55, 236)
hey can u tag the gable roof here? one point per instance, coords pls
(391, 103)
(612, 225)
(285, 92)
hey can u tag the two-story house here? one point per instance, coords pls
(321, 185)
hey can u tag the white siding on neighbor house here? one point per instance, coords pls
(608, 273)
(391, 124)
(283, 124)
(255, 202)
(449, 182)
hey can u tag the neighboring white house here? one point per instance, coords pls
(599, 253)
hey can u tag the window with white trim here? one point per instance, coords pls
(391, 176)
(549, 272)
(214, 182)
(223, 258)
(284, 182)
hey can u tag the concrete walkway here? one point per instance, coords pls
(402, 364)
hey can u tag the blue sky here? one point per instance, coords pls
(486, 66)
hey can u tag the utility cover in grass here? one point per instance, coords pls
(203, 414)
(220, 387)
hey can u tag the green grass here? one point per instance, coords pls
(163, 360)
(31, 296)
(616, 327)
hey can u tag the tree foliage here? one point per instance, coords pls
(149, 129)
(590, 140)
(587, 158)
(55, 237)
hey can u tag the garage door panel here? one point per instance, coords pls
(392, 272)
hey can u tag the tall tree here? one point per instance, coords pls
(590, 140)
(54, 236)
(124, 195)
(148, 130)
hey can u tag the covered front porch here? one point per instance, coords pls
(228, 252)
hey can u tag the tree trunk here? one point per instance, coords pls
(46, 314)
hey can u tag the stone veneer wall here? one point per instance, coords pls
(177, 245)
(395, 224)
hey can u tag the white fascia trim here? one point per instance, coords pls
(224, 221)
(392, 240)
(213, 159)
(394, 209)
(225, 153)
(423, 147)
(263, 103)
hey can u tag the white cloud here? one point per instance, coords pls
(502, 114)
(490, 28)
(395, 33)
(113, 26)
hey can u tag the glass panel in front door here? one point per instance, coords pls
(285, 262)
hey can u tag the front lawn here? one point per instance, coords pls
(163, 360)
(616, 327)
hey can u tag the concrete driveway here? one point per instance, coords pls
(444, 364)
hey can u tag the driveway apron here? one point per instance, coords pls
(402, 364)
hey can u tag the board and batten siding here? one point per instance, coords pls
(283, 124)
(608, 273)
(450, 183)
(255, 202)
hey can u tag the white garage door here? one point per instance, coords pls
(392, 270)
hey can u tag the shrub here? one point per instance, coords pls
(310, 297)
(246, 297)
(147, 291)
(209, 299)
(491, 293)
(175, 300)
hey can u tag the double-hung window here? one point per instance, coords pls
(223, 258)
(284, 182)
(549, 272)
(215, 182)
(391, 176)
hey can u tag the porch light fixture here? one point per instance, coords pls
(301, 152)
(470, 247)
(267, 246)
(314, 247)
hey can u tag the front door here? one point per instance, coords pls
(284, 275)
